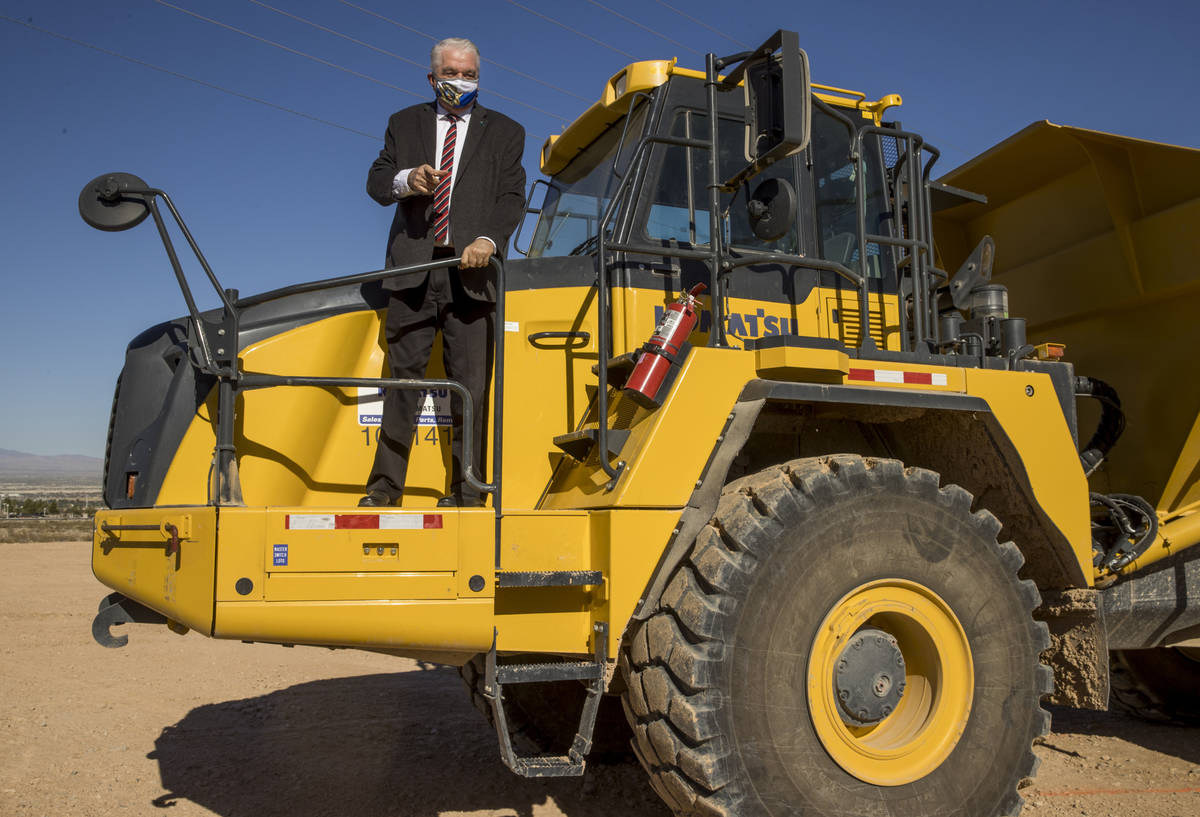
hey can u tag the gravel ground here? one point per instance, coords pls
(184, 725)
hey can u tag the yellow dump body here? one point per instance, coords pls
(1097, 239)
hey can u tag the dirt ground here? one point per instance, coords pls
(184, 726)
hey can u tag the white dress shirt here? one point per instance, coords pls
(400, 188)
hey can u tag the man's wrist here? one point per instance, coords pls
(488, 240)
(400, 188)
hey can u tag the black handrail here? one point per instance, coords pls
(266, 381)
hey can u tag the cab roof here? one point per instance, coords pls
(619, 92)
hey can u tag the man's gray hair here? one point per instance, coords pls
(450, 44)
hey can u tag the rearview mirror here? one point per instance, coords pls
(106, 204)
(778, 88)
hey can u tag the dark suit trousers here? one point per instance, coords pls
(414, 317)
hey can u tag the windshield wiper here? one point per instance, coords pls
(586, 246)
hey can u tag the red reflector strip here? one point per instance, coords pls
(895, 376)
(362, 521)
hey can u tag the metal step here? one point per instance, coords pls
(540, 673)
(497, 675)
(549, 766)
(548, 578)
(578, 444)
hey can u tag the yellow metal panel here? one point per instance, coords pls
(547, 540)
(667, 448)
(409, 550)
(545, 619)
(1027, 407)
(545, 383)
(243, 532)
(636, 541)
(462, 625)
(136, 564)
(796, 363)
(305, 446)
(476, 552)
(359, 586)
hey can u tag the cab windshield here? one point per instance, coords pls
(575, 202)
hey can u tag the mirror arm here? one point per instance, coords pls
(209, 365)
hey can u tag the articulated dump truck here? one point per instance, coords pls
(827, 470)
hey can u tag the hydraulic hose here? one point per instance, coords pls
(1110, 427)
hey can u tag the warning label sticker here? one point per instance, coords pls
(434, 409)
(280, 553)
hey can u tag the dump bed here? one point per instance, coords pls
(1098, 241)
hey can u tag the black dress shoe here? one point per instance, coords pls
(375, 499)
(453, 501)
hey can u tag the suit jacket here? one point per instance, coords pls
(488, 198)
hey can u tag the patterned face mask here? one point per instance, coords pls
(457, 93)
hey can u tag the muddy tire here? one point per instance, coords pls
(543, 718)
(736, 684)
(1160, 685)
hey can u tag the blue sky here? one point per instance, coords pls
(274, 197)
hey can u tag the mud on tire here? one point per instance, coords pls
(718, 691)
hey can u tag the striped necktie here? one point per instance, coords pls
(441, 194)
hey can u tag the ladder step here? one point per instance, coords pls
(578, 444)
(538, 673)
(619, 368)
(548, 578)
(548, 766)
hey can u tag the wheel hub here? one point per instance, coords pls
(869, 677)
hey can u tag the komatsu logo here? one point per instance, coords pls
(756, 324)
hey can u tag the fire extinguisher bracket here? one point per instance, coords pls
(674, 364)
(619, 368)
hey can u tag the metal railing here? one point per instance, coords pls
(213, 349)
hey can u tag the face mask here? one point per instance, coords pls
(457, 93)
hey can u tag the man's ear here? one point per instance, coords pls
(432, 81)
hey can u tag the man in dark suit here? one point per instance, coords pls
(453, 170)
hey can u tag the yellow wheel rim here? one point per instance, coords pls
(939, 681)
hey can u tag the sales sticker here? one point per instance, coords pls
(281, 553)
(433, 410)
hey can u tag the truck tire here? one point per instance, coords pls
(1160, 684)
(543, 718)
(734, 682)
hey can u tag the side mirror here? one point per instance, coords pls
(772, 209)
(106, 204)
(778, 114)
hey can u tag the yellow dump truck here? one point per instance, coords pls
(868, 515)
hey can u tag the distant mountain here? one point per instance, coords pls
(19, 463)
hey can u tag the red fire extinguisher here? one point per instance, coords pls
(658, 354)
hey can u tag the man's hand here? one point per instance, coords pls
(477, 254)
(424, 179)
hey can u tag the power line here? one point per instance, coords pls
(632, 21)
(290, 50)
(703, 24)
(178, 75)
(572, 30)
(502, 66)
(394, 55)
